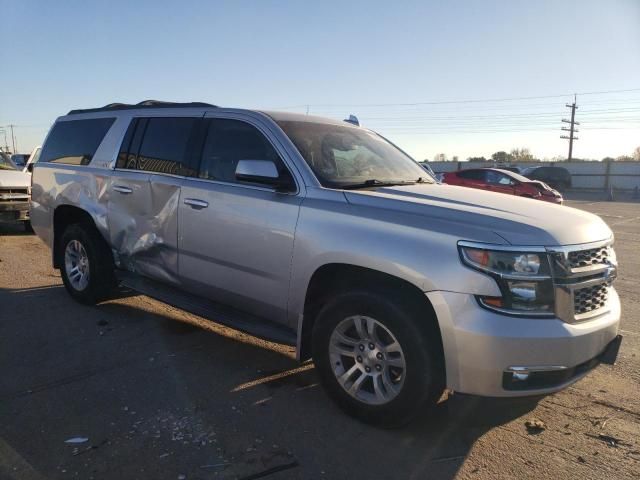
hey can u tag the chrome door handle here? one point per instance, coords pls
(195, 203)
(122, 189)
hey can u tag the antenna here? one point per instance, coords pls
(353, 120)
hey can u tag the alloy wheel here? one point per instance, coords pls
(76, 264)
(367, 360)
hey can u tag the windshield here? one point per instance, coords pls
(6, 163)
(345, 156)
(517, 176)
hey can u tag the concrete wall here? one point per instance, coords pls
(584, 175)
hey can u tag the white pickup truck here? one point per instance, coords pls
(15, 191)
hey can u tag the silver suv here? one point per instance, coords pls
(324, 235)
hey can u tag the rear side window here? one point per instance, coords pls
(75, 142)
(160, 145)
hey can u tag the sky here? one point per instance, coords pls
(464, 78)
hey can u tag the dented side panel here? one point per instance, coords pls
(143, 223)
(56, 185)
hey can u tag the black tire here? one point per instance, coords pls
(100, 259)
(27, 227)
(423, 378)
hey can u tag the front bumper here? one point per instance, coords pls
(558, 200)
(480, 346)
(14, 211)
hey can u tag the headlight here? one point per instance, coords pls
(524, 278)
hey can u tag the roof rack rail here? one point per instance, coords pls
(144, 104)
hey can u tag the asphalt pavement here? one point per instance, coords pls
(133, 388)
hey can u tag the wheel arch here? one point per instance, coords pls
(332, 278)
(63, 216)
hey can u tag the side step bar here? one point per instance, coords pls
(208, 309)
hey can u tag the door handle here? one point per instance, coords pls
(122, 189)
(195, 203)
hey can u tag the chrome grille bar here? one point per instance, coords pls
(582, 275)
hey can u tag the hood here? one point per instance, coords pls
(472, 214)
(14, 178)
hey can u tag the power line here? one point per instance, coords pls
(446, 102)
(516, 117)
(409, 123)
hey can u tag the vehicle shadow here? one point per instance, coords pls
(14, 229)
(266, 411)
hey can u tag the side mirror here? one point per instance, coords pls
(264, 172)
(30, 168)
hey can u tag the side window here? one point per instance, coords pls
(127, 155)
(159, 145)
(497, 178)
(543, 173)
(472, 174)
(227, 142)
(491, 177)
(75, 142)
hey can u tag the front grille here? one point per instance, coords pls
(22, 190)
(588, 299)
(586, 258)
(582, 277)
(14, 194)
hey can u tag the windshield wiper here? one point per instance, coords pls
(373, 182)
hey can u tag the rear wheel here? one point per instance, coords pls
(374, 359)
(86, 264)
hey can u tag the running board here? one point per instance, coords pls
(208, 309)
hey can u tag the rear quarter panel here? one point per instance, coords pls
(85, 187)
(55, 185)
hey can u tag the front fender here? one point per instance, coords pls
(330, 231)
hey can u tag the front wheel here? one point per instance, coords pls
(375, 359)
(86, 264)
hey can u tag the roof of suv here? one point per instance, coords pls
(158, 104)
(141, 105)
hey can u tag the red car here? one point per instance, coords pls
(503, 181)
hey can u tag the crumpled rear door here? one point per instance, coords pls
(143, 223)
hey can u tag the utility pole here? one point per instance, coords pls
(13, 139)
(572, 128)
(6, 147)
